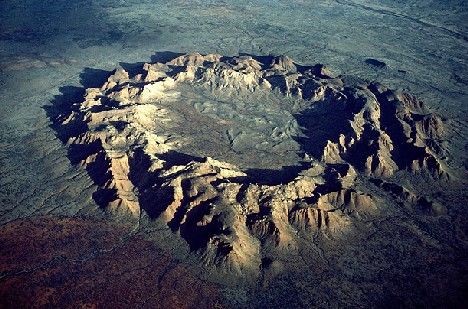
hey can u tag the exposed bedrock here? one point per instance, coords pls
(142, 136)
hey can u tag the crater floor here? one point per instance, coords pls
(253, 130)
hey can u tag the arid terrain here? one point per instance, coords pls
(195, 154)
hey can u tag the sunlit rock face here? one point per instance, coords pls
(244, 155)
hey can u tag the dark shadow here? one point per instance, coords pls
(277, 82)
(376, 63)
(62, 105)
(152, 197)
(66, 102)
(165, 56)
(323, 121)
(173, 158)
(93, 78)
(197, 236)
(79, 152)
(133, 69)
(60, 109)
(259, 176)
(176, 70)
(274, 177)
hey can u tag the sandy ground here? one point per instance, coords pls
(82, 263)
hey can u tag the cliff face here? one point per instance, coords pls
(351, 136)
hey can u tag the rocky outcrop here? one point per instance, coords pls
(387, 132)
(224, 214)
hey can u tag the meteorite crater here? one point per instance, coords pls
(245, 156)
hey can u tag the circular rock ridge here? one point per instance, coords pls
(347, 134)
